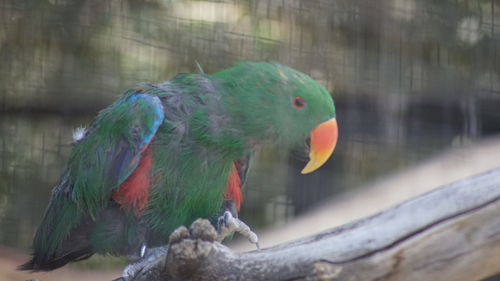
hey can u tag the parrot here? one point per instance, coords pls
(164, 154)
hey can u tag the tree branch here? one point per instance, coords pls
(451, 233)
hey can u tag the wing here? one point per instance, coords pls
(102, 159)
(113, 148)
(235, 183)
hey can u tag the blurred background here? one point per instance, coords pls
(411, 80)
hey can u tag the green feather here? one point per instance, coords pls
(207, 122)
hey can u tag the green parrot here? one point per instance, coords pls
(165, 154)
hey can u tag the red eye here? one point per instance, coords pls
(298, 102)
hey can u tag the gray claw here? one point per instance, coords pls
(151, 257)
(227, 217)
(143, 250)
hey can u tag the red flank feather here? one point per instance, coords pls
(133, 192)
(233, 188)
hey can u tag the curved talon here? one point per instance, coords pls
(151, 257)
(227, 217)
(219, 223)
(143, 250)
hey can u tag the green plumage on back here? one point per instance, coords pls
(165, 154)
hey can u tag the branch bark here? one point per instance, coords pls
(451, 233)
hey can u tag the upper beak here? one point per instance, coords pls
(323, 141)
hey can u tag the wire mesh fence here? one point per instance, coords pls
(408, 77)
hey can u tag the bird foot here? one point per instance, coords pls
(149, 258)
(227, 225)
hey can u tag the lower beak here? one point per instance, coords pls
(323, 141)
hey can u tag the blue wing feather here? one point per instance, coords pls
(157, 112)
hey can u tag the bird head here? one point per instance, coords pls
(271, 101)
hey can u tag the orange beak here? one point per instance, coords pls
(323, 141)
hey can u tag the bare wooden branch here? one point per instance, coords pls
(451, 233)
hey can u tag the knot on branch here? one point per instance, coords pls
(189, 248)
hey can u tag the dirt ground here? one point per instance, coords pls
(441, 169)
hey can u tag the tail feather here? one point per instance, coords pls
(40, 263)
(68, 234)
(75, 247)
(62, 234)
